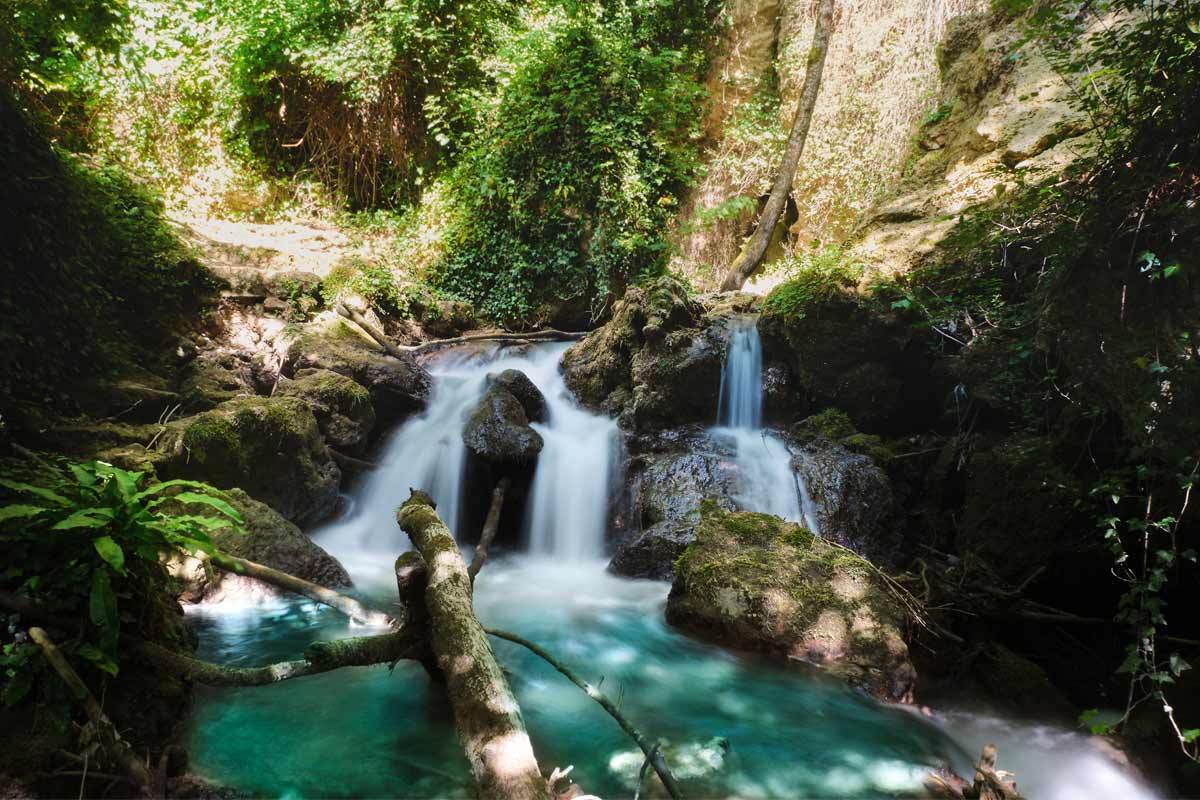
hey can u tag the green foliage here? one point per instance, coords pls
(812, 276)
(566, 192)
(85, 543)
(92, 273)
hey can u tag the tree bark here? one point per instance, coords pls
(490, 525)
(347, 605)
(486, 714)
(361, 321)
(752, 254)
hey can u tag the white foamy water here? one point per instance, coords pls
(567, 508)
(766, 481)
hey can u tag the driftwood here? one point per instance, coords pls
(490, 525)
(114, 747)
(350, 462)
(652, 751)
(347, 605)
(486, 714)
(546, 335)
(991, 783)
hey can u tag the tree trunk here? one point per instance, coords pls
(486, 714)
(752, 254)
(490, 526)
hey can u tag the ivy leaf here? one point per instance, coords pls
(1178, 665)
(111, 552)
(1190, 735)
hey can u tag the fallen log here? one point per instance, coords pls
(991, 783)
(358, 319)
(350, 462)
(347, 605)
(652, 750)
(486, 714)
(116, 749)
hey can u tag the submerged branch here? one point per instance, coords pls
(490, 526)
(652, 751)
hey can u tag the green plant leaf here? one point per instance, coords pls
(111, 552)
(36, 491)
(98, 657)
(159, 487)
(201, 499)
(102, 602)
(20, 512)
(86, 518)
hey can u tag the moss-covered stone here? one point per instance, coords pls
(269, 446)
(835, 426)
(499, 432)
(267, 538)
(213, 378)
(756, 582)
(341, 405)
(398, 386)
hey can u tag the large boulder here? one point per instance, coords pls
(214, 377)
(531, 398)
(341, 406)
(399, 386)
(269, 446)
(755, 582)
(657, 362)
(672, 472)
(498, 430)
(266, 538)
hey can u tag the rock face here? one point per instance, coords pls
(672, 472)
(498, 430)
(268, 539)
(341, 406)
(398, 386)
(269, 446)
(754, 582)
(657, 362)
(867, 363)
(212, 378)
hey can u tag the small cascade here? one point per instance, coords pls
(568, 501)
(767, 482)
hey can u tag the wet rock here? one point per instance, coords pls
(754, 582)
(269, 446)
(672, 472)
(398, 386)
(269, 539)
(530, 397)
(341, 406)
(498, 430)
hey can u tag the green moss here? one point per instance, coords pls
(208, 433)
(835, 425)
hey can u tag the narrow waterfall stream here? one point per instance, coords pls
(738, 726)
(767, 482)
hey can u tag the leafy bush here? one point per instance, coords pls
(86, 545)
(812, 276)
(92, 274)
(566, 193)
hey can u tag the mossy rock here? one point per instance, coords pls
(266, 538)
(834, 425)
(269, 446)
(498, 430)
(212, 379)
(755, 582)
(398, 386)
(341, 406)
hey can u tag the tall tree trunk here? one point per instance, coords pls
(752, 254)
(486, 714)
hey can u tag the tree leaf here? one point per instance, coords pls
(86, 518)
(111, 552)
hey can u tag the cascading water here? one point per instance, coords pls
(568, 499)
(766, 481)
(375, 732)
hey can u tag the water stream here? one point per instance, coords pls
(738, 726)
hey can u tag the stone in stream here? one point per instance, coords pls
(498, 430)
(341, 406)
(267, 538)
(755, 582)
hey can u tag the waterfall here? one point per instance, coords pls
(568, 501)
(766, 481)
(741, 400)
